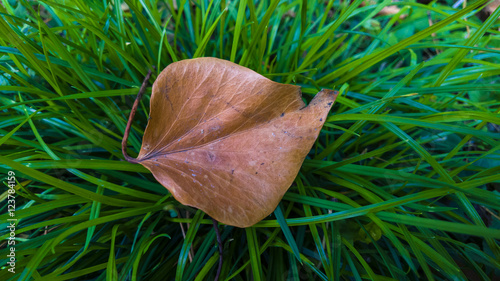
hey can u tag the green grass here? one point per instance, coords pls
(402, 184)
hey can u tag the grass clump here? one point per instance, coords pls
(402, 183)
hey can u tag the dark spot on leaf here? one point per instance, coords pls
(282, 114)
(256, 172)
(232, 171)
(211, 156)
(330, 103)
(320, 119)
(262, 163)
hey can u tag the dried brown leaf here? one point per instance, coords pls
(226, 140)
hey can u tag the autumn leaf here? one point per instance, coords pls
(226, 140)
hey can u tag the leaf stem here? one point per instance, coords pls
(219, 242)
(131, 117)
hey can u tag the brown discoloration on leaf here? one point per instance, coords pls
(227, 140)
